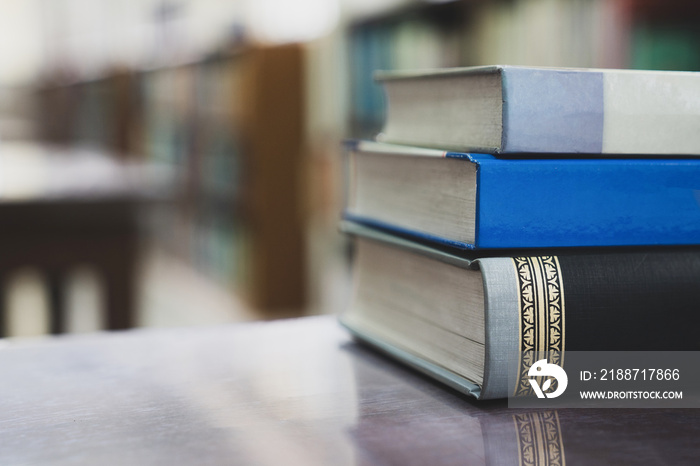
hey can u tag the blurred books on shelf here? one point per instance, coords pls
(196, 115)
(232, 127)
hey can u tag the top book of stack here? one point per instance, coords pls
(520, 110)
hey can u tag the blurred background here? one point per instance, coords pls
(177, 162)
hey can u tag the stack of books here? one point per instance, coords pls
(511, 210)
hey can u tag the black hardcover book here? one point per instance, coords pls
(461, 318)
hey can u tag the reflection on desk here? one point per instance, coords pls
(296, 392)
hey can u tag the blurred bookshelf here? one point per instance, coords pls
(253, 131)
(231, 125)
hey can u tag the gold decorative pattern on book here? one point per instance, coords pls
(541, 318)
(539, 439)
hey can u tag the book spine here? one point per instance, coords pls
(635, 301)
(552, 111)
(501, 324)
(584, 202)
(600, 112)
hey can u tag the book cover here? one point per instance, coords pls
(511, 110)
(547, 301)
(479, 201)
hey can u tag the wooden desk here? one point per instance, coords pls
(66, 207)
(296, 392)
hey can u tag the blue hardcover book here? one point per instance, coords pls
(511, 109)
(474, 201)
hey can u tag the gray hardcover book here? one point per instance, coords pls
(515, 110)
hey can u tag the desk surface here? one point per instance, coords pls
(295, 392)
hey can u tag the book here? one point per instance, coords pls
(461, 318)
(479, 201)
(510, 110)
